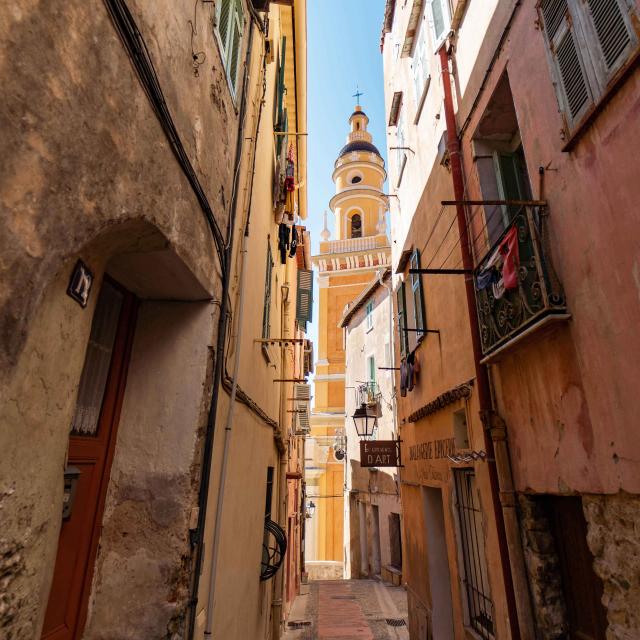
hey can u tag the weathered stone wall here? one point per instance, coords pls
(614, 539)
(87, 172)
(543, 569)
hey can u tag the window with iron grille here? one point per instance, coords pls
(480, 614)
(266, 311)
(229, 27)
(589, 41)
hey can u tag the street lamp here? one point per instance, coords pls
(311, 509)
(365, 419)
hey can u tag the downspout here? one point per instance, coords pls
(208, 630)
(502, 491)
(278, 581)
(207, 456)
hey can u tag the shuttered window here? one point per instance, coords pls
(589, 41)
(418, 295)
(266, 311)
(402, 320)
(229, 27)
(280, 117)
(304, 298)
(440, 19)
(401, 151)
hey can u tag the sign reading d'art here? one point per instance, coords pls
(380, 453)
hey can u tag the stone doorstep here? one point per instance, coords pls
(392, 575)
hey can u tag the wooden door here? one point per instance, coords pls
(91, 447)
(581, 586)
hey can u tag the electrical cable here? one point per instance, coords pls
(136, 48)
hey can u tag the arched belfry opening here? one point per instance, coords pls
(356, 226)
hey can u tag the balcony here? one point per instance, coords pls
(508, 315)
(350, 245)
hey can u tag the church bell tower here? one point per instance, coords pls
(345, 266)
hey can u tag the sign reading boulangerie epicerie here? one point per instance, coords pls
(380, 453)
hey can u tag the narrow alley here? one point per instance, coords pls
(341, 609)
(319, 320)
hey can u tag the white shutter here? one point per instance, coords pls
(572, 86)
(613, 33)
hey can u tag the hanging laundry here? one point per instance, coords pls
(511, 258)
(410, 370)
(486, 278)
(283, 242)
(497, 288)
(404, 373)
(294, 242)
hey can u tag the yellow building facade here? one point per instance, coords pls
(345, 266)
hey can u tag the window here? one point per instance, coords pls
(356, 226)
(229, 26)
(589, 41)
(420, 67)
(266, 326)
(371, 368)
(402, 320)
(440, 19)
(480, 615)
(418, 295)
(401, 151)
(370, 315)
(356, 179)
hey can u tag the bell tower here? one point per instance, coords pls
(346, 265)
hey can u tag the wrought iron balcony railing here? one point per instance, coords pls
(368, 393)
(505, 314)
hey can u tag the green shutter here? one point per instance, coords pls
(402, 320)
(418, 295)
(281, 88)
(266, 328)
(304, 296)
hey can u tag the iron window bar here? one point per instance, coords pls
(479, 603)
(420, 330)
(506, 203)
(450, 272)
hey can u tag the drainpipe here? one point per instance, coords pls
(278, 581)
(208, 630)
(207, 457)
(502, 490)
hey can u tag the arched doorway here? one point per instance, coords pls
(90, 454)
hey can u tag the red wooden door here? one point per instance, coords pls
(91, 447)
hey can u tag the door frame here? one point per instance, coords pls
(112, 402)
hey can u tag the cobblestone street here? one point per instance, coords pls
(344, 609)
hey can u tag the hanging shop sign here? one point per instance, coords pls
(80, 284)
(380, 453)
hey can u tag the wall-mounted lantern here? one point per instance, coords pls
(365, 419)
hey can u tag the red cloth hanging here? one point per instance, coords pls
(510, 258)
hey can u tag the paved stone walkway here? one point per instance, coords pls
(349, 609)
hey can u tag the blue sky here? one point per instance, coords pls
(343, 39)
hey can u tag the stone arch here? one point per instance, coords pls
(176, 321)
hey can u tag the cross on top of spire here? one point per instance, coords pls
(357, 94)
